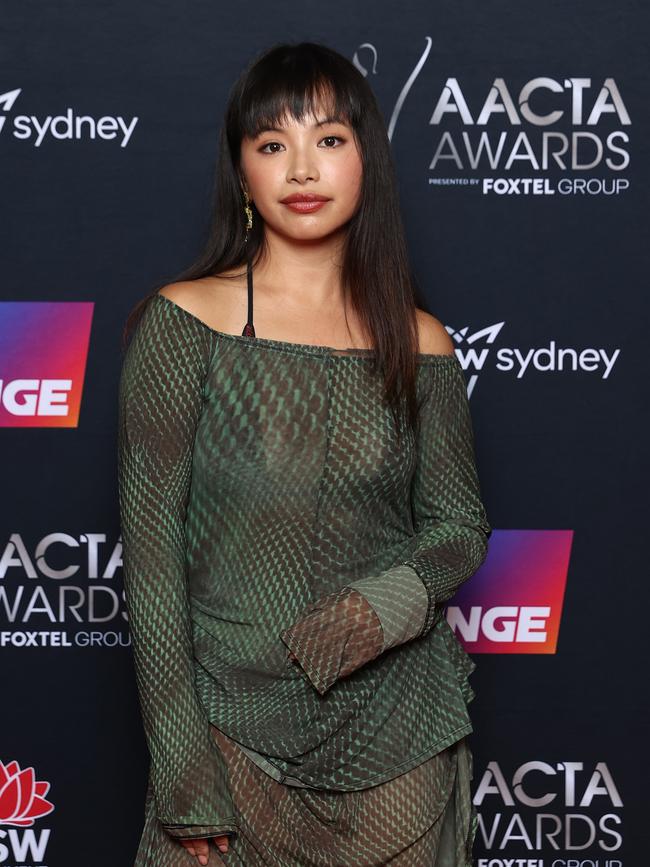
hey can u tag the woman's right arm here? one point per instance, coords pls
(160, 399)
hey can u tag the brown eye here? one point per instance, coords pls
(263, 150)
(333, 137)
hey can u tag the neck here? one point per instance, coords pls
(307, 272)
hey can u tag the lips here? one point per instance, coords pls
(303, 197)
(304, 203)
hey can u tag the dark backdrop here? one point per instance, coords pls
(510, 268)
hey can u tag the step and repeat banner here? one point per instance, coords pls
(520, 135)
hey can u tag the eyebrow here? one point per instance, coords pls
(318, 123)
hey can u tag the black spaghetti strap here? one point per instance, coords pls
(249, 328)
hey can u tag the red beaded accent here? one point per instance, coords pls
(249, 330)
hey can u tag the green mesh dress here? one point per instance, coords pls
(266, 508)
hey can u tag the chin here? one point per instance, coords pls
(312, 232)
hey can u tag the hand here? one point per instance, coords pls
(334, 636)
(200, 848)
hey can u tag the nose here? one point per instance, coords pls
(302, 167)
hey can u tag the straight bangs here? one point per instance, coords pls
(299, 86)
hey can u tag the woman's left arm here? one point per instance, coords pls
(344, 630)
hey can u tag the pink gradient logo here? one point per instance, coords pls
(22, 796)
(43, 361)
(513, 604)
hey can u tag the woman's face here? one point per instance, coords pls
(299, 159)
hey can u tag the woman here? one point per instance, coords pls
(299, 498)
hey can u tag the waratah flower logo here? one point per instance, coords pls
(21, 796)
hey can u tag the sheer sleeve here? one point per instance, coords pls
(160, 399)
(344, 630)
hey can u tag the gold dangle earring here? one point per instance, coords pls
(249, 214)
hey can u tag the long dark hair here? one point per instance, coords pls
(376, 275)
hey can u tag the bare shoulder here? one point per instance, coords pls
(214, 300)
(184, 293)
(433, 337)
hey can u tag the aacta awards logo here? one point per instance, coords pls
(517, 138)
(22, 802)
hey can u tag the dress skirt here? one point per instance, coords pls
(422, 818)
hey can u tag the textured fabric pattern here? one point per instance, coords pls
(400, 604)
(159, 409)
(421, 819)
(335, 637)
(260, 478)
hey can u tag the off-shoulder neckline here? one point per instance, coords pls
(302, 348)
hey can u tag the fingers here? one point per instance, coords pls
(200, 847)
(222, 842)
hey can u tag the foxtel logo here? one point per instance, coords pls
(513, 604)
(43, 362)
(64, 126)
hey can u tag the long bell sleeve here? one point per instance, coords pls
(348, 628)
(160, 400)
